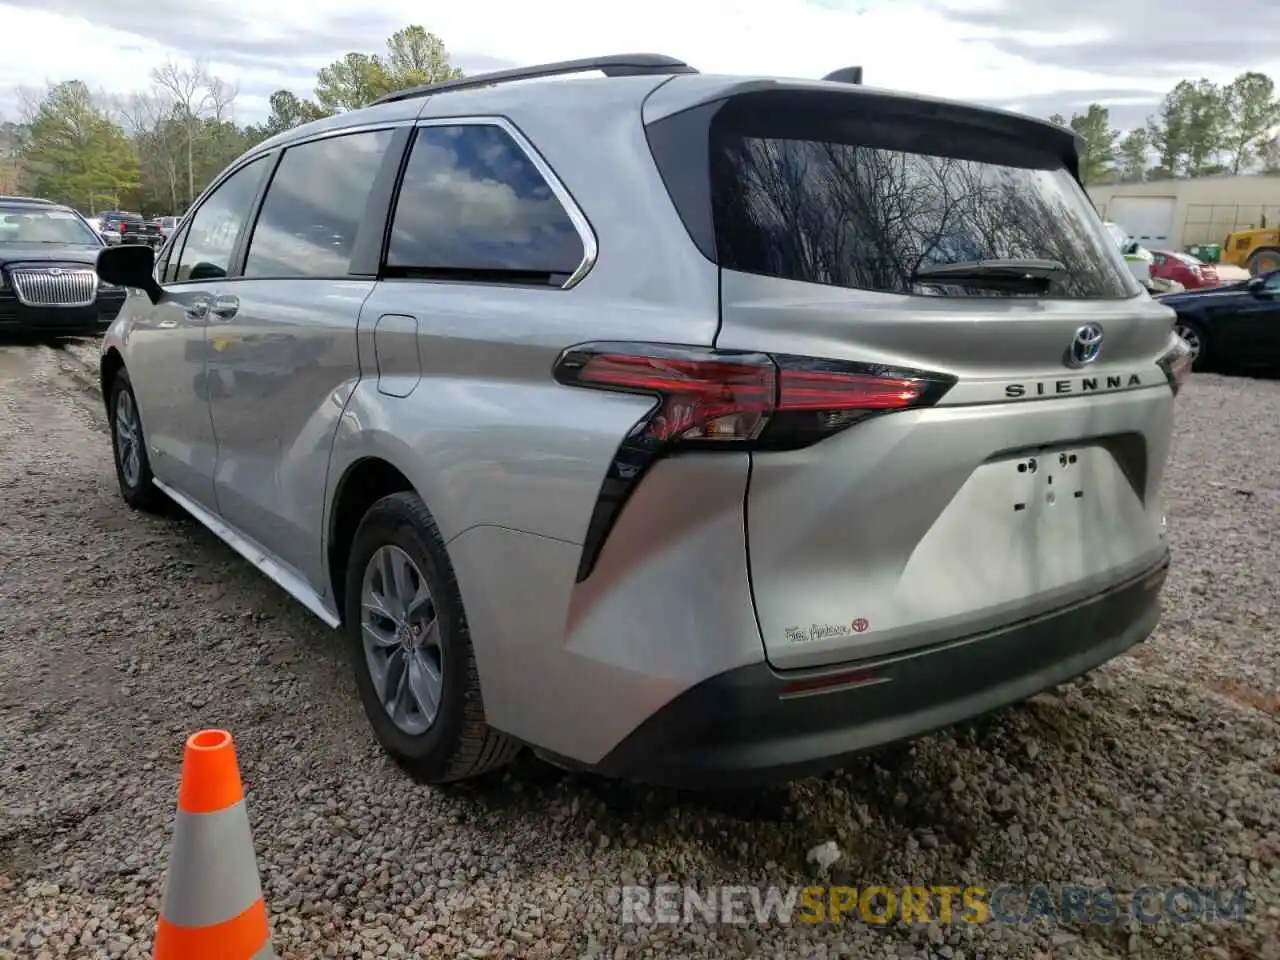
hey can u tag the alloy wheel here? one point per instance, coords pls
(128, 438)
(400, 631)
(1192, 338)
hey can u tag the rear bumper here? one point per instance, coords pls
(744, 728)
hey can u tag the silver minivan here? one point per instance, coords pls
(696, 429)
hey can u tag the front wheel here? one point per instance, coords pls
(128, 445)
(1193, 334)
(411, 650)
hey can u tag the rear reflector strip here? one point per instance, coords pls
(831, 683)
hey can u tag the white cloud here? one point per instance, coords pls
(906, 44)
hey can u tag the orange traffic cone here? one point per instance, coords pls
(212, 907)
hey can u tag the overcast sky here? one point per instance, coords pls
(1040, 56)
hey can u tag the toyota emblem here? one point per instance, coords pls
(55, 271)
(1085, 345)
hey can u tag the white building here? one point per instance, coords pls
(1170, 214)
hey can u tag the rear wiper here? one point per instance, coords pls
(992, 272)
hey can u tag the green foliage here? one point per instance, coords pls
(351, 83)
(1098, 154)
(75, 152)
(1131, 155)
(156, 153)
(1269, 155)
(1190, 129)
(288, 110)
(1200, 130)
(413, 57)
(1253, 113)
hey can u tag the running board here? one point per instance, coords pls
(273, 569)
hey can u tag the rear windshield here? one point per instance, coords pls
(864, 203)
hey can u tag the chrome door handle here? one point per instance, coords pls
(224, 308)
(198, 308)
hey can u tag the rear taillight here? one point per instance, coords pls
(1176, 363)
(122, 226)
(710, 399)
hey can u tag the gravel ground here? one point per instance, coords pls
(120, 633)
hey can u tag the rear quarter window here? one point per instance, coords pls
(473, 205)
(864, 203)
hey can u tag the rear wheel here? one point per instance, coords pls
(411, 650)
(133, 466)
(1264, 260)
(1193, 334)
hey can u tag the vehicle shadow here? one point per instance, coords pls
(890, 788)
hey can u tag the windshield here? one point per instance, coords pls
(30, 225)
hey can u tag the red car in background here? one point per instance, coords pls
(1184, 268)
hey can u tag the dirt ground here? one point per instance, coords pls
(121, 633)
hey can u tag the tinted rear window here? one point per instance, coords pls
(864, 202)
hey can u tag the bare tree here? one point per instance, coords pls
(197, 96)
(152, 120)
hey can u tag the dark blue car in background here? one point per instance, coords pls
(1232, 326)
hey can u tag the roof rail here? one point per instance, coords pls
(845, 75)
(614, 65)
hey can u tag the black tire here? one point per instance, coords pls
(459, 744)
(1263, 260)
(1204, 357)
(142, 494)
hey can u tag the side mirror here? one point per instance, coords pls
(130, 265)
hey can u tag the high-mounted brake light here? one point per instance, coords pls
(709, 399)
(1177, 362)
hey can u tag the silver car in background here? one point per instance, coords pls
(696, 429)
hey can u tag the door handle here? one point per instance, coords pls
(225, 307)
(198, 308)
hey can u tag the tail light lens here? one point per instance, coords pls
(1176, 363)
(710, 399)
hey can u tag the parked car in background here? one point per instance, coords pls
(47, 281)
(5, 197)
(845, 467)
(166, 225)
(1136, 257)
(1233, 325)
(1184, 269)
(1256, 249)
(130, 228)
(95, 220)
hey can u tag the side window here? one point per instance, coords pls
(211, 233)
(472, 203)
(314, 207)
(167, 268)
